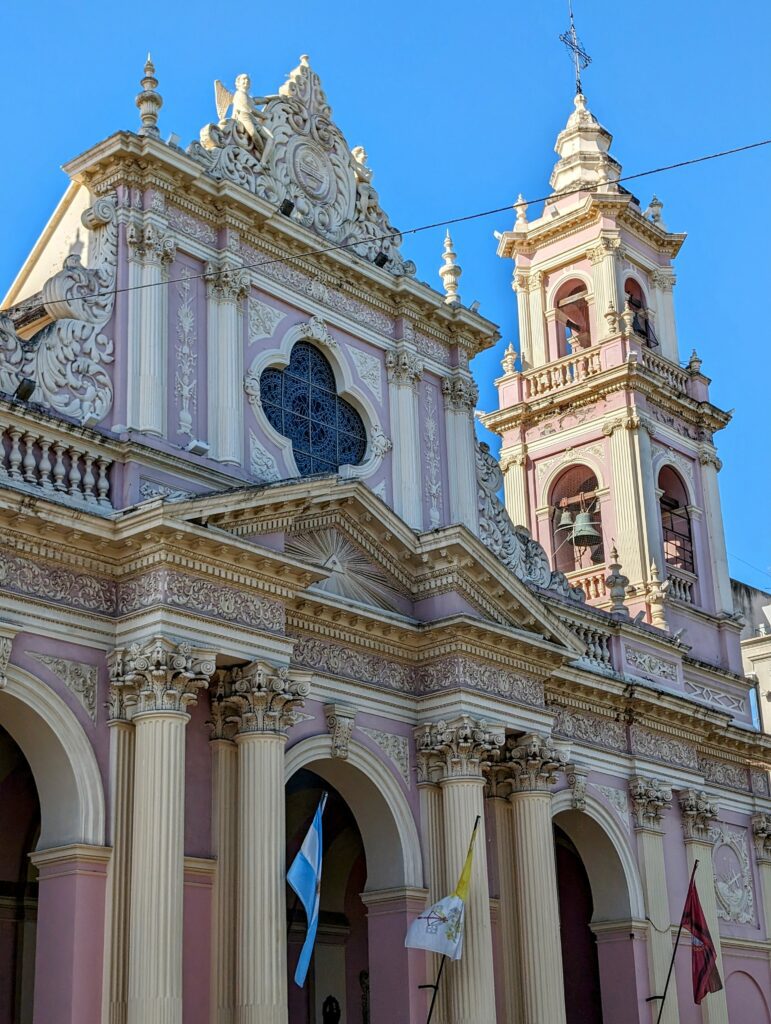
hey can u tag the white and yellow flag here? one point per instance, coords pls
(440, 927)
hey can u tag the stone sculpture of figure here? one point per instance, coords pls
(366, 195)
(246, 109)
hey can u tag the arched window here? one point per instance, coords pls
(576, 520)
(301, 402)
(641, 324)
(675, 521)
(572, 309)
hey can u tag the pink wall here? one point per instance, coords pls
(196, 951)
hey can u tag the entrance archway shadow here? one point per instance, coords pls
(62, 760)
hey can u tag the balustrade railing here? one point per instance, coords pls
(596, 641)
(562, 374)
(591, 581)
(681, 585)
(676, 378)
(55, 466)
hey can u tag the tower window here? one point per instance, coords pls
(675, 521)
(301, 402)
(573, 327)
(576, 520)
(641, 324)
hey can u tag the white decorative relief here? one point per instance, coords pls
(396, 749)
(262, 465)
(185, 384)
(545, 466)
(650, 666)
(263, 320)
(149, 489)
(433, 480)
(368, 368)
(617, 799)
(733, 877)
(189, 225)
(727, 701)
(79, 679)
(380, 491)
(67, 359)
(681, 463)
(317, 329)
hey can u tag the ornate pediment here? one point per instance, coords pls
(352, 574)
(286, 147)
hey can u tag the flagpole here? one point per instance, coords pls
(435, 987)
(674, 951)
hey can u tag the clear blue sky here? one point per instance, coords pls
(458, 105)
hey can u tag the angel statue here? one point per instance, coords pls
(246, 110)
(366, 196)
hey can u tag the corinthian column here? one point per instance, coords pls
(404, 372)
(649, 798)
(698, 815)
(225, 288)
(115, 977)
(534, 763)
(224, 793)
(264, 700)
(432, 840)
(500, 807)
(161, 678)
(461, 749)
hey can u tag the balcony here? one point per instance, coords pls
(682, 585)
(592, 581)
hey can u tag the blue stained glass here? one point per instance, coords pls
(301, 402)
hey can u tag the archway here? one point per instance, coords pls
(18, 882)
(601, 911)
(370, 887)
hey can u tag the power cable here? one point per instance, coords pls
(440, 223)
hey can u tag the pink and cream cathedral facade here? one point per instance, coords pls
(251, 549)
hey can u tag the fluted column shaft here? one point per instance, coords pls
(537, 913)
(153, 329)
(404, 373)
(650, 850)
(432, 836)
(714, 1009)
(510, 958)
(471, 985)
(261, 987)
(515, 489)
(157, 882)
(225, 849)
(226, 290)
(115, 984)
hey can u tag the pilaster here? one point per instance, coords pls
(226, 287)
(405, 369)
(603, 258)
(514, 468)
(501, 812)
(699, 814)
(713, 518)
(539, 353)
(663, 282)
(434, 857)
(534, 762)
(460, 398)
(158, 679)
(761, 833)
(461, 750)
(649, 798)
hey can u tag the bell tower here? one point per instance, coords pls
(607, 436)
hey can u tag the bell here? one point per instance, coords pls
(566, 520)
(584, 534)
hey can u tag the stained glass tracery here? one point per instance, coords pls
(301, 402)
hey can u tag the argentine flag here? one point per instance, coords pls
(304, 876)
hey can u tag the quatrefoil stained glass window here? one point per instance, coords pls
(301, 402)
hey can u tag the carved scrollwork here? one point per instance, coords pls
(158, 675)
(462, 748)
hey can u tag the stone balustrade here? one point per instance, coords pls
(596, 642)
(676, 378)
(591, 581)
(681, 585)
(561, 374)
(55, 465)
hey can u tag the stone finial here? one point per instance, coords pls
(698, 814)
(149, 102)
(627, 320)
(535, 761)
(450, 272)
(463, 747)
(694, 363)
(521, 221)
(611, 318)
(509, 361)
(340, 721)
(653, 213)
(617, 583)
(649, 798)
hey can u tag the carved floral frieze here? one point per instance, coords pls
(649, 665)
(52, 583)
(662, 747)
(589, 728)
(724, 773)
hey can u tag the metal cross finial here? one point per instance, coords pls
(578, 54)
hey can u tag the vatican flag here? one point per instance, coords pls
(440, 928)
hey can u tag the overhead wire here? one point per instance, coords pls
(448, 222)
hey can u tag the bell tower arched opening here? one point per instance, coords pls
(576, 520)
(573, 327)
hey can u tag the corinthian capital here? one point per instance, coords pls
(459, 749)
(266, 699)
(460, 393)
(534, 761)
(157, 675)
(148, 244)
(404, 367)
(761, 834)
(698, 814)
(225, 283)
(649, 798)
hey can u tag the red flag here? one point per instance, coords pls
(706, 977)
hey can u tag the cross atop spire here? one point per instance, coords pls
(579, 56)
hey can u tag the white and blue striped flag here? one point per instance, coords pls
(304, 876)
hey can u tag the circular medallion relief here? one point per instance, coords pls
(313, 172)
